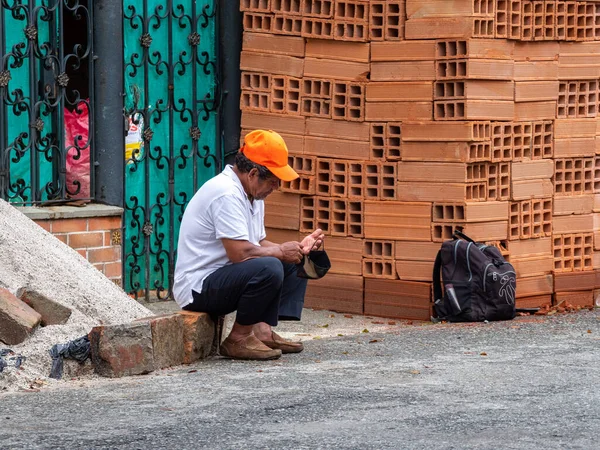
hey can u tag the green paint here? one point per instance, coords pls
(147, 90)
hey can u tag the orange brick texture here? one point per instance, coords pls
(97, 239)
(407, 119)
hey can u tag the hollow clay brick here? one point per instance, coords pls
(435, 191)
(575, 281)
(391, 111)
(567, 128)
(415, 270)
(338, 50)
(281, 123)
(282, 211)
(289, 7)
(441, 172)
(474, 90)
(475, 49)
(403, 51)
(272, 63)
(445, 131)
(336, 292)
(358, 131)
(474, 110)
(580, 298)
(534, 91)
(398, 299)
(438, 28)
(267, 43)
(534, 286)
(345, 254)
(536, 71)
(399, 91)
(403, 71)
(336, 148)
(432, 8)
(340, 70)
(529, 248)
(435, 151)
(397, 220)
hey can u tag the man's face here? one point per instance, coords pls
(261, 188)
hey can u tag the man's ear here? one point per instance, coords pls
(253, 172)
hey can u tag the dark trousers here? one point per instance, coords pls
(260, 290)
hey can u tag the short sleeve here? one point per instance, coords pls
(229, 218)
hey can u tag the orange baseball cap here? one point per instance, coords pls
(268, 149)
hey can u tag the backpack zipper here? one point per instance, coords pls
(495, 274)
(469, 261)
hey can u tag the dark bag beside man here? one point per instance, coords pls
(478, 283)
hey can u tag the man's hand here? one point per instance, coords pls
(291, 252)
(312, 241)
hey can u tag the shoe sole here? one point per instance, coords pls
(249, 358)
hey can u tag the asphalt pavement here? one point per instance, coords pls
(361, 383)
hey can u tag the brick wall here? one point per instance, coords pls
(98, 239)
(94, 231)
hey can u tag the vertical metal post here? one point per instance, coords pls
(108, 106)
(230, 43)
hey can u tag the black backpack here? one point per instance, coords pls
(478, 283)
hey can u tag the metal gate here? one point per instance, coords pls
(46, 80)
(171, 105)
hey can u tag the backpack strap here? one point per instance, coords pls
(437, 284)
(459, 234)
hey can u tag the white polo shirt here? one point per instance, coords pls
(220, 209)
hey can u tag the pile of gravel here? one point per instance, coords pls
(33, 259)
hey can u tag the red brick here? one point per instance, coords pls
(121, 350)
(86, 240)
(104, 254)
(64, 238)
(198, 335)
(69, 225)
(17, 319)
(52, 313)
(167, 339)
(45, 224)
(113, 270)
(104, 223)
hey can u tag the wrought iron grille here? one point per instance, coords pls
(172, 101)
(46, 119)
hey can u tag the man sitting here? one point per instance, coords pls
(225, 263)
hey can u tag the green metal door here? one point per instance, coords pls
(171, 103)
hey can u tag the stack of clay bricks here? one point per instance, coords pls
(408, 119)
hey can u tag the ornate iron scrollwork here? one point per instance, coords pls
(173, 94)
(36, 99)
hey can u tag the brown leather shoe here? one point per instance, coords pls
(249, 347)
(285, 345)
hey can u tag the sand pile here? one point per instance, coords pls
(31, 258)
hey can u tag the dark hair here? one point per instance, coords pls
(245, 165)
